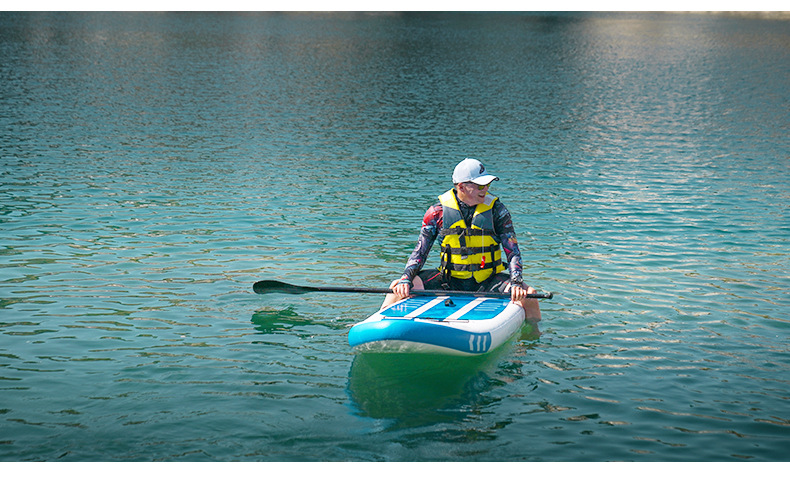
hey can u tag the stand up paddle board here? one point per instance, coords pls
(455, 325)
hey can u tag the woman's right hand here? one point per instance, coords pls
(402, 289)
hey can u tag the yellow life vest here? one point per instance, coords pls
(469, 251)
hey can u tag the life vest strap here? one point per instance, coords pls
(450, 266)
(463, 231)
(467, 250)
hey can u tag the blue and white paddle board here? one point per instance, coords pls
(457, 325)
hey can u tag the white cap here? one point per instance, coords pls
(471, 170)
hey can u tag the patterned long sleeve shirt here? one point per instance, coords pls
(432, 226)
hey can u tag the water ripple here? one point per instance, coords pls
(150, 176)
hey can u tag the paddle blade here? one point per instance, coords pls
(272, 286)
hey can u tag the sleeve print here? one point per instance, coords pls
(503, 223)
(504, 227)
(431, 224)
(513, 256)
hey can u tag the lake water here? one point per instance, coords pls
(154, 166)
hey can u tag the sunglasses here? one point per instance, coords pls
(479, 187)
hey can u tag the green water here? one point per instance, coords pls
(154, 166)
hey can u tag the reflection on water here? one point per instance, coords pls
(413, 390)
(274, 321)
(417, 390)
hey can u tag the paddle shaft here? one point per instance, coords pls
(272, 286)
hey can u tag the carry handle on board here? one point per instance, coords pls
(272, 286)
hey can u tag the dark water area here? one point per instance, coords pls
(155, 165)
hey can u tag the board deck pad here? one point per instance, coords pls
(437, 308)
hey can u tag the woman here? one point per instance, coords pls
(473, 228)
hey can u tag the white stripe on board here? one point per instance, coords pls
(426, 307)
(465, 309)
(478, 341)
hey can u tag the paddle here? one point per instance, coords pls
(272, 286)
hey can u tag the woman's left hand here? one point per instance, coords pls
(520, 292)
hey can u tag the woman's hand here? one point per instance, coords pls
(518, 293)
(401, 288)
